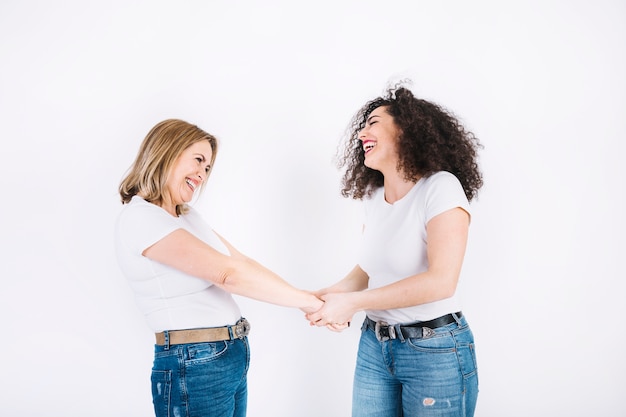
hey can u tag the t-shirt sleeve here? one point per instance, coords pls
(444, 193)
(142, 225)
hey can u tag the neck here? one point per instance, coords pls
(165, 205)
(396, 187)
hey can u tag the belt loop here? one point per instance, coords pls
(399, 334)
(166, 345)
(230, 333)
(457, 319)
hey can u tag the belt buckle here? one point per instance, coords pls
(427, 332)
(242, 328)
(383, 325)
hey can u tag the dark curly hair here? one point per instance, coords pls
(432, 140)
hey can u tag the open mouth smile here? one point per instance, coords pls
(368, 145)
(192, 184)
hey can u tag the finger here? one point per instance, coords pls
(337, 327)
(332, 327)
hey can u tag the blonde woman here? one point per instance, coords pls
(183, 274)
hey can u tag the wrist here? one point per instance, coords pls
(311, 303)
(355, 300)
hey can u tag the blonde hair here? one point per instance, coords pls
(159, 150)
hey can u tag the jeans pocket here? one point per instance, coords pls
(161, 391)
(206, 352)
(467, 359)
(439, 343)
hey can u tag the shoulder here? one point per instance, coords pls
(442, 178)
(443, 191)
(443, 183)
(137, 207)
(139, 211)
(141, 224)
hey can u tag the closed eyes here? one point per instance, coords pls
(201, 159)
(370, 120)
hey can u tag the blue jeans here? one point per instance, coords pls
(201, 379)
(431, 376)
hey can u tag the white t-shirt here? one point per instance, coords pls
(169, 298)
(393, 246)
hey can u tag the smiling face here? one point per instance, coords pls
(187, 174)
(379, 137)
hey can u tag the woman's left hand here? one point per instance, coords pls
(336, 313)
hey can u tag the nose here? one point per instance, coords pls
(361, 134)
(201, 175)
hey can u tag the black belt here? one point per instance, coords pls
(419, 330)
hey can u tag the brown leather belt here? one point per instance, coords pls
(210, 334)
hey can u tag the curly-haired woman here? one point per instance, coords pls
(415, 167)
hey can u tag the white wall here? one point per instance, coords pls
(541, 83)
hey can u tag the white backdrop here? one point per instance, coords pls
(541, 83)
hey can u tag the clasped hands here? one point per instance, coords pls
(335, 314)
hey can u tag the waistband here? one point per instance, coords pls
(209, 334)
(418, 330)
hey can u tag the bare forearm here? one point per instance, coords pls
(447, 238)
(340, 307)
(447, 235)
(235, 273)
(251, 279)
(416, 290)
(356, 280)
